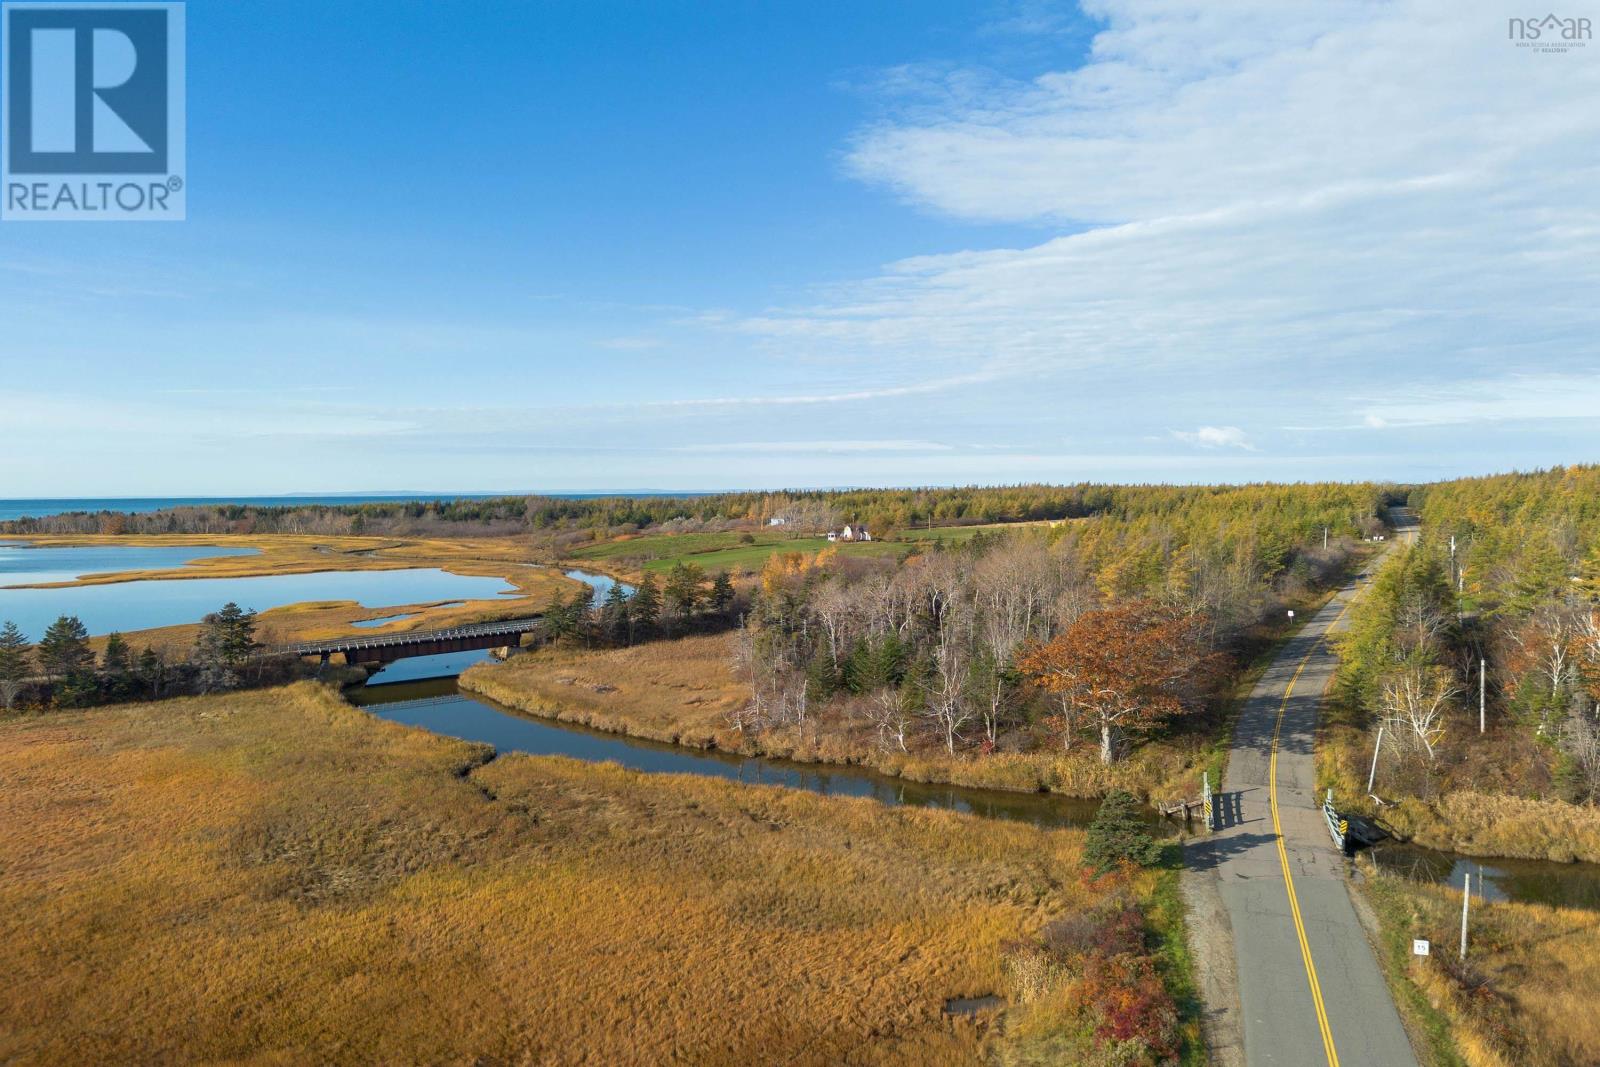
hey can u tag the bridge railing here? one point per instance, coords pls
(413, 637)
(1338, 825)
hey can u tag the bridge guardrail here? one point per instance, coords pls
(412, 637)
(1338, 825)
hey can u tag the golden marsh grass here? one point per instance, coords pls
(1527, 996)
(276, 877)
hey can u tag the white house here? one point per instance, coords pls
(850, 533)
(777, 520)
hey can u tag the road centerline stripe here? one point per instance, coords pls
(1283, 852)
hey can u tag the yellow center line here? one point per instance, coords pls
(1283, 852)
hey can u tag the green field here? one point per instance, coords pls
(958, 534)
(717, 551)
(726, 550)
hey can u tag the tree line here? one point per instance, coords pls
(1345, 506)
(62, 669)
(684, 601)
(1095, 634)
(1478, 651)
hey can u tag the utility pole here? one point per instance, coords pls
(1466, 900)
(1373, 773)
(1483, 670)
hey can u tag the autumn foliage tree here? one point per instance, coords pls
(1124, 670)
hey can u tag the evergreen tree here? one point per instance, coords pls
(721, 593)
(237, 633)
(15, 663)
(226, 640)
(152, 671)
(682, 593)
(1542, 575)
(64, 650)
(79, 689)
(614, 615)
(1117, 834)
(117, 657)
(560, 618)
(644, 607)
(875, 664)
(582, 609)
(822, 677)
(115, 664)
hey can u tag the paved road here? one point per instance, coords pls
(1309, 989)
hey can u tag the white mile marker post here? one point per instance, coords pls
(1466, 900)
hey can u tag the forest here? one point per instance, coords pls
(884, 510)
(1083, 637)
(1477, 652)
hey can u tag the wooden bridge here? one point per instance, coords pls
(387, 648)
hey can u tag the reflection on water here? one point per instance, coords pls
(141, 605)
(446, 665)
(384, 620)
(436, 705)
(600, 583)
(1569, 885)
(21, 564)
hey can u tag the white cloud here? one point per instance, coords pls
(1215, 437)
(1305, 202)
(1511, 398)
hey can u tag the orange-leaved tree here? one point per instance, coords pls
(1124, 669)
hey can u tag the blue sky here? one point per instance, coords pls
(607, 246)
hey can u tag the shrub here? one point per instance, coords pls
(1134, 1005)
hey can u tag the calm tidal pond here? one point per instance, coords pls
(139, 605)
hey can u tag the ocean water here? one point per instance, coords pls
(41, 508)
(38, 508)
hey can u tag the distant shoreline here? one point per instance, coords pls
(44, 507)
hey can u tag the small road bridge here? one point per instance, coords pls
(386, 648)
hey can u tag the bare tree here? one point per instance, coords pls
(1547, 641)
(835, 606)
(1580, 739)
(891, 714)
(1012, 587)
(947, 687)
(1414, 702)
(1419, 624)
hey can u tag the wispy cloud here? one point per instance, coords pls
(935, 385)
(1215, 437)
(1510, 398)
(1244, 189)
(813, 447)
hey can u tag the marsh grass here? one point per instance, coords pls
(1523, 997)
(302, 554)
(278, 877)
